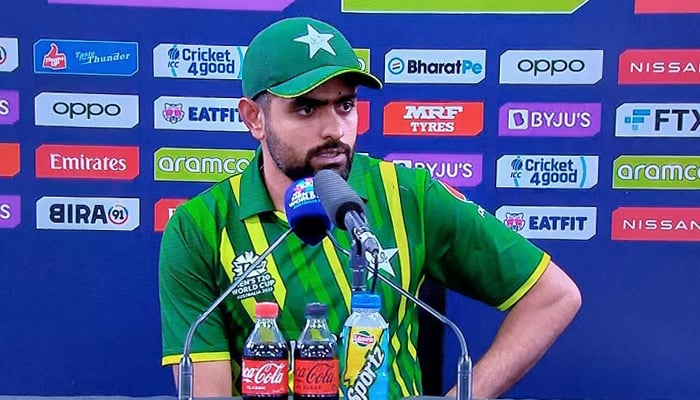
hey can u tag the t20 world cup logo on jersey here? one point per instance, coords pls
(257, 282)
(173, 113)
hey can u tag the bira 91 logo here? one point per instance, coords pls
(198, 114)
(10, 211)
(9, 107)
(666, 6)
(199, 165)
(656, 172)
(86, 110)
(87, 213)
(549, 119)
(562, 223)
(658, 120)
(460, 170)
(268, 377)
(547, 171)
(85, 57)
(163, 210)
(9, 54)
(435, 66)
(87, 162)
(9, 159)
(433, 119)
(197, 61)
(551, 67)
(659, 66)
(656, 224)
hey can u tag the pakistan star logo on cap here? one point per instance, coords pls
(316, 41)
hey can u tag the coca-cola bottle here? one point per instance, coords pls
(316, 373)
(265, 364)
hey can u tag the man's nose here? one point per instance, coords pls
(332, 126)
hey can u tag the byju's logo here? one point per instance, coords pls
(198, 114)
(88, 110)
(87, 162)
(9, 107)
(10, 211)
(434, 66)
(163, 210)
(433, 119)
(197, 61)
(87, 213)
(549, 119)
(9, 159)
(199, 165)
(658, 120)
(460, 170)
(551, 67)
(656, 172)
(547, 171)
(566, 223)
(656, 224)
(9, 54)
(84, 57)
(659, 66)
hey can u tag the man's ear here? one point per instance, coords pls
(253, 117)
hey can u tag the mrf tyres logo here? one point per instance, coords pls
(435, 66)
(658, 120)
(87, 213)
(549, 119)
(199, 165)
(197, 61)
(86, 110)
(460, 170)
(547, 171)
(656, 172)
(198, 114)
(433, 119)
(551, 67)
(564, 223)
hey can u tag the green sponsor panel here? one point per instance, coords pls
(657, 172)
(199, 165)
(464, 6)
(363, 56)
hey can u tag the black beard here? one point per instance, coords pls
(305, 169)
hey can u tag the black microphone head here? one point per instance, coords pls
(304, 212)
(337, 196)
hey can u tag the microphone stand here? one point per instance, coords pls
(464, 365)
(185, 388)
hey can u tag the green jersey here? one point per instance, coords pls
(426, 229)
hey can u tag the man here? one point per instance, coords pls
(300, 79)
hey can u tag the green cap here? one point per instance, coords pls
(295, 55)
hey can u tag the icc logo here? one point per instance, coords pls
(517, 166)
(174, 56)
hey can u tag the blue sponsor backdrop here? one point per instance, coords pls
(80, 309)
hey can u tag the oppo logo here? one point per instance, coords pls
(550, 67)
(88, 110)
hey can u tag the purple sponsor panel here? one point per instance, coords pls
(549, 119)
(245, 5)
(459, 170)
(10, 210)
(9, 107)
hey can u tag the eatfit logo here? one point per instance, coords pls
(433, 119)
(87, 162)
(9, 107)
(658, 120)
(656, 172)
(660, 66)
(566, 223)
(9, 54)
(9, 159)
(199, 165)
(86, 110)
(434, 66)
(551, 67)
(198, 114)
(10, 211)
(85, 57)
(460, 170)
(656, 224)
(547, 171)
(87, 213)
(549, 119)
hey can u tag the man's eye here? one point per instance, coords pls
(308, 110)
(348, 105)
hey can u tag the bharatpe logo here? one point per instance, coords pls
(551, 67)
(84, 57)
(564, 223)
(434, 66)
(198, 114)
(549, 119)
(658, 120)
(199, 165)
(9, 107)
(197, 61)
(659, 66)
(10, 211)
(86, 110)
(656, 172)
(460, 170)
(87, 213)
(547, 171)
(433, 119)
(9, 54)
(656, 224)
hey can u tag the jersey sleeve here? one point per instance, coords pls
(470, 251)
(186, 289)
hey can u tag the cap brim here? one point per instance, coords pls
(310, 80)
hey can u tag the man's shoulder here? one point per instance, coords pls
(375, 167)
(210, 203)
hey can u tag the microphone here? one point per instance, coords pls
(304, 211)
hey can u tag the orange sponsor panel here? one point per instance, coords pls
(9, 159)
(405, 118)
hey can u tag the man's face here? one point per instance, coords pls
(314, 131)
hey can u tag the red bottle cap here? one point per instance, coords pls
(266, 310)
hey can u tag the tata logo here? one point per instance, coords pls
(659, 66)
(460, 170)
(198, 114)
(658, 120)
(199, 165)
(562, 223)
(656, 172)
(163, 210)
(547, 171)
(550, 119)
(86, 110)
(551, 67)
(87, 162)
(433, 119)
(664, 224)
(10, 211)
(435, 66)
(9, 107)
(197, 61)
(9, 54)
(85, 57)
(87, 213)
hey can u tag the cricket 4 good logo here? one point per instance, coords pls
(86, 110)
(87, 213)
(243, 5)
(434, 66)
(656, 172)
(433, 119)
(656, 224)
(87, 162)
(547, 171)
(9, 54)
(163, 210)
(666, 6)
(9, 159)
(565, 223)
(551, 67)
(660, 66)
(199, 165)
(198, 114)
(197, 61)
(85, 57)
(10, 211)
(658, 120)
(460, 170)
(549, 119)
(9, 107)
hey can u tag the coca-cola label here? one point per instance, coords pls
(264, 377)
(316, 377)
